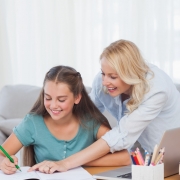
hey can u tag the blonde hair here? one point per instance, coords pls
(124, 56)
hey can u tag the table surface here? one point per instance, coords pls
(95, 170)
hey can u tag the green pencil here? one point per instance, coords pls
(9, 157)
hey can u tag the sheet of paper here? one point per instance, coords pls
(75, 174)
(19, 175)
(78, 173)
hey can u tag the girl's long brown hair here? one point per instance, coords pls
(85, 110)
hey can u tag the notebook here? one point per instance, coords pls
(170, 141)
(75, 174)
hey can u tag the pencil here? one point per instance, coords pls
(160, 155)
(154, 153)
(9, 157)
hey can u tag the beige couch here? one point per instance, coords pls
(17, 100)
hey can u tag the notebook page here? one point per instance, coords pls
(19, 175)
(78, 173)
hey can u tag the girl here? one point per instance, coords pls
(62, 122)
(139, 95)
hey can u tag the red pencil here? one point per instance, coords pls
(135, 158)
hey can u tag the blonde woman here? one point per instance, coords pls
(139, 95)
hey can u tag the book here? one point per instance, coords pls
(78, 173)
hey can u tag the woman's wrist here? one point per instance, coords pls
(64, 164)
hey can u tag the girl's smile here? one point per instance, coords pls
(59, 101)
(55, 112)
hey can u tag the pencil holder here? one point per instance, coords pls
(148, 172)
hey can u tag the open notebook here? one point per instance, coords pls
(75, 174)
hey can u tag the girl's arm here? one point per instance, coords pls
(118, 158)
(12, 145)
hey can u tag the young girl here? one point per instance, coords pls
(62, 122)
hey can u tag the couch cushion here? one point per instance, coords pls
(178, 87)
(1, 118)
(17, 100)
(6, 127)
(2, 137)
(88, 89)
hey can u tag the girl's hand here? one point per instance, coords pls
(49, 167)
(7, 166)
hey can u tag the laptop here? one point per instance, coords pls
(170, 141)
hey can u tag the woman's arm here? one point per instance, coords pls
(92, 152)
(131, 126)
(120, 158)
(116, 159)
(94, 155)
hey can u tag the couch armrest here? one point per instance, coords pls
(1, 118)
(177, 86)
(17, 100)
(2, 137)
(6, 127)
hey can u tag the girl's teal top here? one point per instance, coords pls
(33, 131)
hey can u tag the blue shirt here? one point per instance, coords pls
(33, 131)
(158, 111)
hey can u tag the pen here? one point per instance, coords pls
(146, 162)
(9, 157)
(150, 159)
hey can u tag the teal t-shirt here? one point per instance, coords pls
(33, 131)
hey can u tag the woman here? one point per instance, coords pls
(140, 96)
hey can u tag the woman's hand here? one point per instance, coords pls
(7, 166)
(49, 167)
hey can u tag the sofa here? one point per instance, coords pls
(17, 100)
